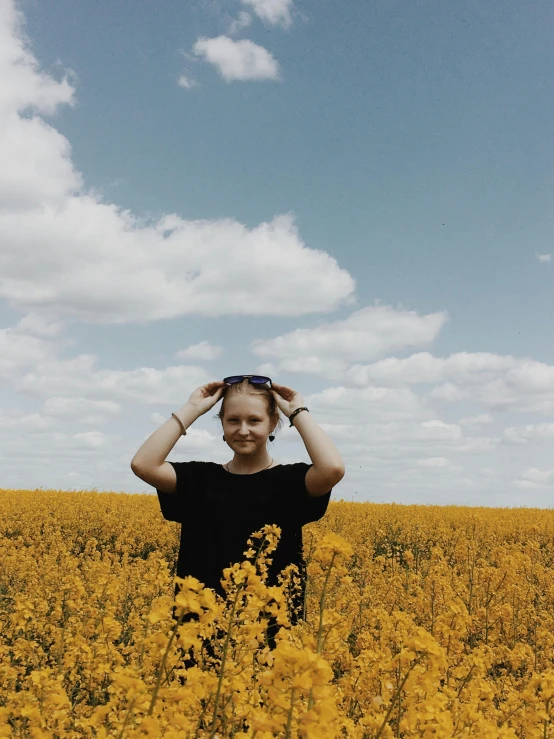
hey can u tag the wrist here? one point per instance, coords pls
(298, 411)
(296, 407)
(191, 408)
(188, 413)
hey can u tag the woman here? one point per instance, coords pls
(221, 505)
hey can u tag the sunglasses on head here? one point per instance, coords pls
(254, 379)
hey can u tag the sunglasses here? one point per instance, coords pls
(254, 379)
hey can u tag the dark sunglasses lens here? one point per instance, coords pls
(232, 380)
(254, 379)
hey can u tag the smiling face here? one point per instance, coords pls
(246, 423)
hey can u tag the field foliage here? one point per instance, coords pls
(421, 621)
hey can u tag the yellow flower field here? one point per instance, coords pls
(422, 621)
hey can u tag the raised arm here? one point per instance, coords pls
(149, 462)
(328, 467)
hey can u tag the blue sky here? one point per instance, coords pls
(378, 176)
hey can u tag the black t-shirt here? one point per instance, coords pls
(219, 511)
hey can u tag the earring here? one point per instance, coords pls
(223, 438)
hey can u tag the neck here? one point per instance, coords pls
(245, 465)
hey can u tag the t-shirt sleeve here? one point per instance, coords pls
(308, 507)
(174, 505)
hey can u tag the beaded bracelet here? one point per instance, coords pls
(293, 414)
(180, 423)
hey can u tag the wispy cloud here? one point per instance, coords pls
(544, 257)
(535, 478)
(202, 351)
(438, 462)
(237, 60)
(476, 420)
(186, 82)
(242, 21)
(273, 12)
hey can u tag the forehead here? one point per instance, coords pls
(245, 405)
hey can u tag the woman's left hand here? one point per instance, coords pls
(287, 399)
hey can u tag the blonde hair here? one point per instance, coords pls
(246, 388)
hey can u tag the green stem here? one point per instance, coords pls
(464, 681)
(121, 733)
(225, 648)
(396, 695)
(289, 718)
(160, 671)
(320, 627)
(322, 606)
(223, 661)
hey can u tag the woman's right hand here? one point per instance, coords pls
(206, 396)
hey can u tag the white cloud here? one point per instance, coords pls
(16, 420)
(527, 387)
(329, 348)
(202, 351)
(65, 252)
(527, 433)
(439, 430)
(383, 432)
(478, 444)
(438, 462)
(369, 405)
(24, 85)
(35, 157)
(82, 410)
(102, 265)
(545, 257)
(91, 439)
(156, 419)
(476, 420)
(497, 383)
(146, 385)
(19, 351)
(32, 367)
(462, 368)
(238, 60)
(186, 82)
(36, 325)
(448, 392)
(534, 477)
(242, 21)
(273, 12)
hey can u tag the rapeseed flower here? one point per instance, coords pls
(419, 622)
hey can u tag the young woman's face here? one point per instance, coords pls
(246, 424)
